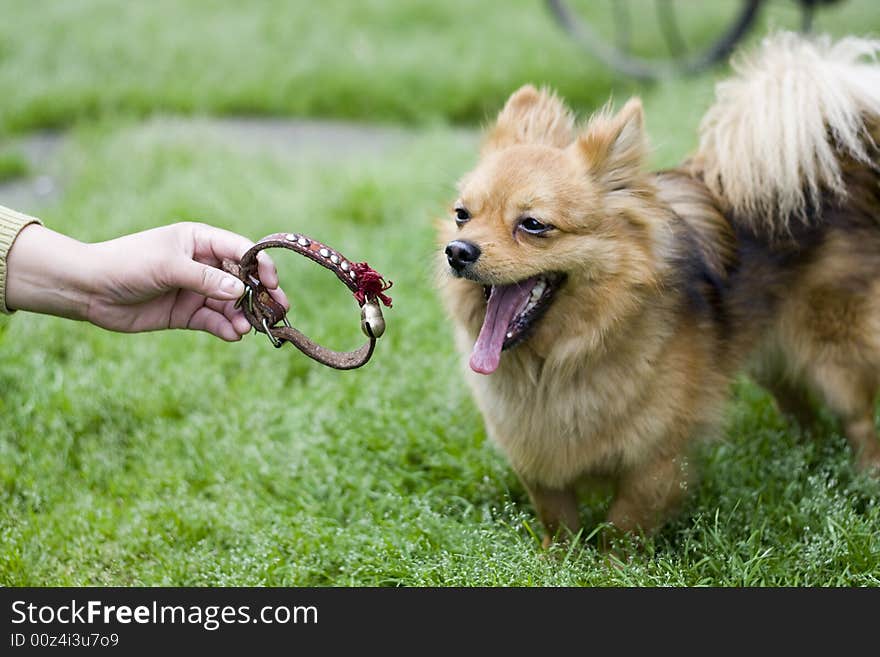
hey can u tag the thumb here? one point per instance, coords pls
(209, 281)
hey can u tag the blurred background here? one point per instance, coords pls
(168, 459)
(376, 61)
(413, 64)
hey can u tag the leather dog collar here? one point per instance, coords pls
(264, 313)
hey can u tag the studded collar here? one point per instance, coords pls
(265, 314)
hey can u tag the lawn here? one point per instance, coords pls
(377, 60)
(175, 459)
(12, 165)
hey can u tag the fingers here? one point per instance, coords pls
(213, 245)
(220, 244)
(216, 244)
(220, 318)
(207, 319)
(279, 296)
(234, 315)
(267, 271)
(205, 280)
(269, 278)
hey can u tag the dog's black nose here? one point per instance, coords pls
(461, 254)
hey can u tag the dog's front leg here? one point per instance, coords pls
(647, 495)
(557, 510)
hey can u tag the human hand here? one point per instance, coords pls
(166, 277)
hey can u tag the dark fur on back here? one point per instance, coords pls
(738, 278)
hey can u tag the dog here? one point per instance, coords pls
(603, 309)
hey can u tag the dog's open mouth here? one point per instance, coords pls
(511, 312)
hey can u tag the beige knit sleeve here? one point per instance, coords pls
(11, 223)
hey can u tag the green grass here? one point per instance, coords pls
(173, 458)
(376, 60)
(12, 165)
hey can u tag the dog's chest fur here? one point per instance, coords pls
(570, 413)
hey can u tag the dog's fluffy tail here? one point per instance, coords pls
(771, 145)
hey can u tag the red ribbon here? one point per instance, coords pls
(370, 284)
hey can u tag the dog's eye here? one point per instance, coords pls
(462, 216)
(533, 226)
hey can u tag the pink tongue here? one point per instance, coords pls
(504, 301)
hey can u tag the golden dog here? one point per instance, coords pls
(603, 309)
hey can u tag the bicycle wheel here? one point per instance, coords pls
(679, 58)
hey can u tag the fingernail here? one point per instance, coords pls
(232, 286)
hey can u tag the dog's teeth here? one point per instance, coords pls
(509, 334)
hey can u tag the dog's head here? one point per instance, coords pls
(548, 211)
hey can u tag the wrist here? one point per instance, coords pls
(49, 273)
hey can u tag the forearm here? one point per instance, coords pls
(166, 277)
(47, 272)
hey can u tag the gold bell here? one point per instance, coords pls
(372, 322)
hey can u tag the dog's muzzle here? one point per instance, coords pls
(461, 254)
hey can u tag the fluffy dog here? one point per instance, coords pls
(603, 309)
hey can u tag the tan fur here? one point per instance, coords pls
(600, 397)
(533, 117)
(663, 302)
(828, 334)
(764, 144)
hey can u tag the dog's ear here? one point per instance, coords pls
(614, 147)
(531, 116)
